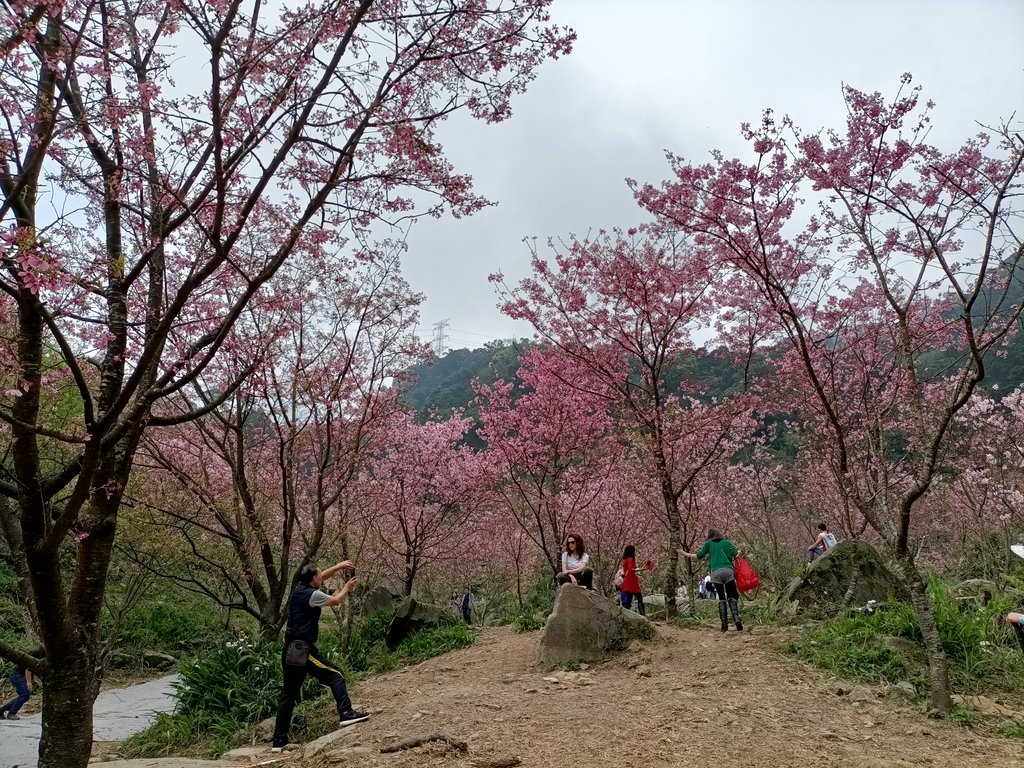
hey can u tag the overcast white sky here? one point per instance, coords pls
(651, 75)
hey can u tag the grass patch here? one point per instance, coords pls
(1012, 731)
(886, 646)
(217, 697)
(537, 604)
(528, 622)
(224, 694)
(450, 635)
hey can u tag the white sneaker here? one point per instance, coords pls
(352, 716)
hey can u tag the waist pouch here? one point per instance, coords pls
(297, 653)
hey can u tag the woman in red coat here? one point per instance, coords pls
(630, 581)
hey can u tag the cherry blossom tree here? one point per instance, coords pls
(161, 160)
(620, 515)
(266, 474)
(624, 307)
(913, 251)
(420, 492)
(552, 445)
(976, 505)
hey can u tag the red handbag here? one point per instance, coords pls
(746, 576)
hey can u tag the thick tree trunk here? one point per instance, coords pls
(270, 630)
(410, 577)
(691, 587)
(672, 581)
(519, 585)
(71, 689)
(938, 667)
(10, 529)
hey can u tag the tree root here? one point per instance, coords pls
(417, 741)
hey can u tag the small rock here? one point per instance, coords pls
(265, 730)
(584, 680)
(986, 706)
(156, 660)
(551, 680)
(120, 660)
(643, 671)
(861, 693)
(330, 741)
(530, 690)
(905, 688)
(245, 752)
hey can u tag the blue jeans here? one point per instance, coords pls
(814, 553)
(24, 694)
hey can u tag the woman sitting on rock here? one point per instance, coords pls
(575, 564)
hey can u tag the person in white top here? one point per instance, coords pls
(825, 541)
(575, 564)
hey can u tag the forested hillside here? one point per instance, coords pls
(446, 383)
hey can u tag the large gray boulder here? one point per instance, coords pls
(586, 627)
(411, 616)
(850, 574)
(157, 660)
(378, 599)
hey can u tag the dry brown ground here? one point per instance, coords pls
(709, 700)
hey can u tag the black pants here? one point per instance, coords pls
(317, 667)
(726, 590)
(584, 579)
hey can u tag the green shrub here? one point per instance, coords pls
(434, 641)
(369, 653)
(540, 597)
(366, 649)
(528, 622)
(241, 683)
(168, 735)
(980, 652)
(171, 623)
(218, 696)
(227, 691)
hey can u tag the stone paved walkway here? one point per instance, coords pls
(119, 713)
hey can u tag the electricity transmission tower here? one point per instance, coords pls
(440, 337)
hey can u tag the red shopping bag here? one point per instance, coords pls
(746, 577)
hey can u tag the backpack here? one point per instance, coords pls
(619, 576)
(829, 540)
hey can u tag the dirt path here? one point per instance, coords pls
(673, 703)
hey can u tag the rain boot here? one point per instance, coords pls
(734, 604)
(723, 614)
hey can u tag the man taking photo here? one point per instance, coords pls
(301, 657)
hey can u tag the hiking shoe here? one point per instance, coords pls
(13, 717)
(739, 626)
(352, 716)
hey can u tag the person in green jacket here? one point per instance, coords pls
(723, 576)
